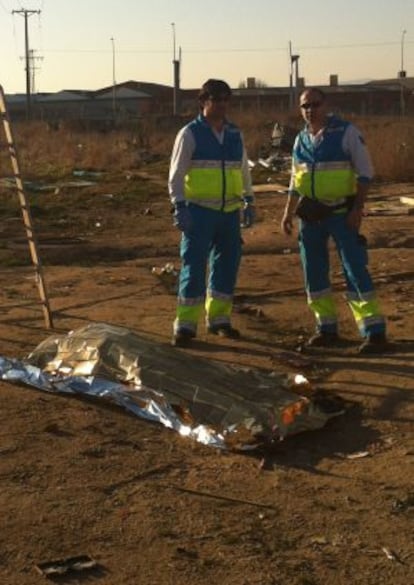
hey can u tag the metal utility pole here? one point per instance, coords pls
(113, 79)
(293, 77)
(26, 13)
(402, 75)
(33, 58)
(290, 77)
(176, 66)
(404, 32)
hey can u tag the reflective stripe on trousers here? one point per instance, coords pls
(351, 247)
(214, 239)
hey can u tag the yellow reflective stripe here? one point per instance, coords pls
(209, 182)
(218, 310)
(327, 185)
(205, 187)
(364, 310)
(324, 309)
(187, 316)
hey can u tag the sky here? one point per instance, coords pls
(87, 44)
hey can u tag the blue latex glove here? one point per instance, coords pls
(248, 215)
(182, 216)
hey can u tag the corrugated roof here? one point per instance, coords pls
(396, 82)
(122, 93)
(66, 95)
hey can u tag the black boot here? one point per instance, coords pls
(374, 343)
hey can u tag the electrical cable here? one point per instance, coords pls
(234, 50)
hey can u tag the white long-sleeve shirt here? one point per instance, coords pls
(181, 157)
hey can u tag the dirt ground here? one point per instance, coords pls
(333, 506)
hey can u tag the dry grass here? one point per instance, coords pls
(391, 143)
(390, 140)
(51, 153)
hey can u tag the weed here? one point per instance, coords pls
(54, 154)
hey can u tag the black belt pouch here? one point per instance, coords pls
(312, 210)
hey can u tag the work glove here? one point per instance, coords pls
(248, 212)
(182, 216)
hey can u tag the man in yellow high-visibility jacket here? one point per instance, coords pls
(209, 182)
(331, 173)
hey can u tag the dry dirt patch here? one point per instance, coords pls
(151, 507)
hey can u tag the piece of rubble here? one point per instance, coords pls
(168, 276)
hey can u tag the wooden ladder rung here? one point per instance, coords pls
(25, 209)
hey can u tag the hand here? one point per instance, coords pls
(354, 218)
(182, 216)
(287, 223)
(248, 215)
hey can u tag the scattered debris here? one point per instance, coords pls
(168, 276)
(276, 162)
(389, 209)
(249, 310)
(319, 540)
(404, 505)
(71, 565)
(87, 173)
(391, 555)
(265, 464)
(222, 497)
(77, 184)
(356, 455)
(407, 201)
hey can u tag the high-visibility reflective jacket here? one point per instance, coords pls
(215, 178)
(322, 168)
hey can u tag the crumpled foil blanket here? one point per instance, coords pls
(213, 403)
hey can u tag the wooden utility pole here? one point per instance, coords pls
(26, 13)
(113, 80)
(25, 208)
(176, 70)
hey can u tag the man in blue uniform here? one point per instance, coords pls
(209, 182)
(331, 173)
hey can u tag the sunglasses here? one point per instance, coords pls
(310, 105)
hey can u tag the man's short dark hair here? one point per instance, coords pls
(316, 90)
(213, 88)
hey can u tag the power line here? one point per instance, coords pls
(235, 49)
